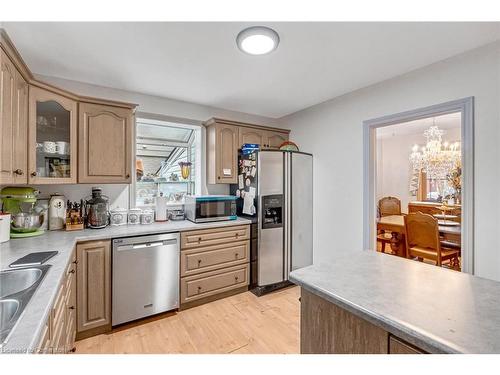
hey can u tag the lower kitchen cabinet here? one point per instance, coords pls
(59, 332)
(326, 328)
(213, 283)
(93, 288)
(214, 264)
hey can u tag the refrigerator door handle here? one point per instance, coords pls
(288, 210)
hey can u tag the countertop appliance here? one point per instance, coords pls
(275, 190)
(205, 208)
(26, 217)
(97, 209)
(145, 276)
(57, 212)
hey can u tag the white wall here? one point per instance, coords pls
(333, 132)
(393, 165)
(194, 113)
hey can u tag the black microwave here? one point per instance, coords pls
(206, 208)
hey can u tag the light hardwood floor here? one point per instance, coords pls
(242, 324)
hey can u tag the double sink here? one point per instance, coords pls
(17, 286)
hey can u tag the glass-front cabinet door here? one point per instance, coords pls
(52, 138)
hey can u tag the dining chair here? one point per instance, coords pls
(423, 242)
(387, 206)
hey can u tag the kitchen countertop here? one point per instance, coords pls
(436, 309)
(26, 334)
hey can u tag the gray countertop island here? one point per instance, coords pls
(436, 309)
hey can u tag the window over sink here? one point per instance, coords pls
(167, 161)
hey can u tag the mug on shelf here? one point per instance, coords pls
(62, 148)
(49, 147)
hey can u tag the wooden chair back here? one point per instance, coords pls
(422, 230)
(389, 206)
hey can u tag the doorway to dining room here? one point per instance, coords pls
(418, 185)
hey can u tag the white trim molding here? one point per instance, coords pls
(466, 107)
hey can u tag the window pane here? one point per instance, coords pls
(160, 149)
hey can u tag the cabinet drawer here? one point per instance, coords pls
(59, 337)
(398, 346)
(211, 283)
(59, 306)
(44, 347)
(211, 258)
(215, 236)
(70, 329)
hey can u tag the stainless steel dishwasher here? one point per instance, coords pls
(145, 276)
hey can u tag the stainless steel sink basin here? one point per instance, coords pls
(17, 286)
(14, 281)
(8, 309)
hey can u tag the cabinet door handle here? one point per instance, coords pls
(33, 174)
(236, 255)
(199, 239)
(19, 172)
(71, 307)
(72, 271)
(199, 262)
(236, 278)
(75, 262)
(218, 177)
(127, 176)
(199, 289)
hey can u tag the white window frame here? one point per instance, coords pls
(178, 122)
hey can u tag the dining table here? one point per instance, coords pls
(396, 225)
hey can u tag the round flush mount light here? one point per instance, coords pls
(258, 40)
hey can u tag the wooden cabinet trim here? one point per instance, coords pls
(217, 120)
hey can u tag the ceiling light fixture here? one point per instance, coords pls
(257, 40)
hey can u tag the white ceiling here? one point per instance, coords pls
(200, 62)
(444, 122)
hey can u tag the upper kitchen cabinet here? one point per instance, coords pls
(52, 138)
(105, 152)
(252, 135)
(274, 139)
(225, 138)
(13, 123)
(222, 153)
(267, 139)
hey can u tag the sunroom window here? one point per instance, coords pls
(162, 148)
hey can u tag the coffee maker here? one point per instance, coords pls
(97, 209)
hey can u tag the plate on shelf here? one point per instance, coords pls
(441, 216)
(448, 223)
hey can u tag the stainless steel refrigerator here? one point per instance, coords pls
(281, 186)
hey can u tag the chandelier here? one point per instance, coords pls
(436, 158)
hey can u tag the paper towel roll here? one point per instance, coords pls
(4, 227)
(161, 208)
